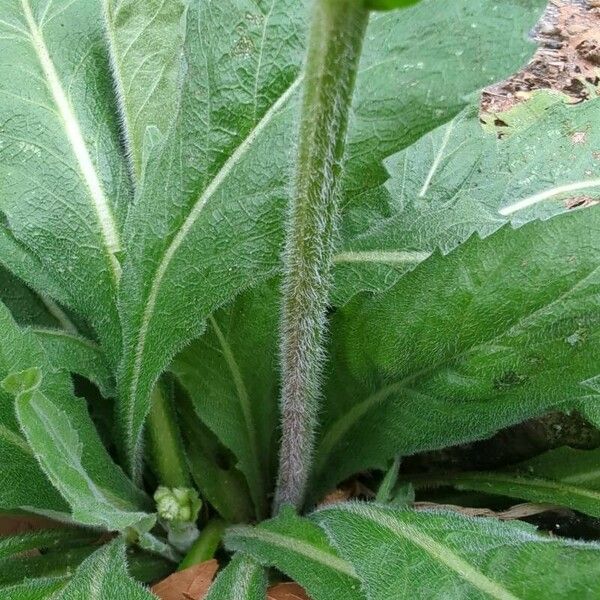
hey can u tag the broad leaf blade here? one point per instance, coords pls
(299, 549)
(406, 554)
(564, 476)
(60, 143)
(455, 181)
(52, 435)
(104, 575)
(145, 41)
(230, 374)
(242, 579)
(485, 331)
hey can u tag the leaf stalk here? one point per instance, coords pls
(335, 42)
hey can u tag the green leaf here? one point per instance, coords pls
(36, 589)
(497, 331)
(564, 476)
(76, 354)
(456, 180)
(21, 352)
(423, 555)
(60, 563)
(60, 142)
(48, 539)
(145, 40)
(420, 68)
(27, 307)
(52, 434)
(230, 374)
(242, 579)
(212, 468)
(223, 171)
(104, 575)
(298, 548)
(22, 262)
(390, 4)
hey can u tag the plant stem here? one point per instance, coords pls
(164, 440)
(205, 546)
(335, 42)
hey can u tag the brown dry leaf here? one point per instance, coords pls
(518, 511)
(189, 584)
(25, 523)
(287, 591)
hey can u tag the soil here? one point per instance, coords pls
(568, 58)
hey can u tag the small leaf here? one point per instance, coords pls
(27, 307)
(33, 589)
(242, 579)
(76, 354)
(24, 364)
(564, 476)
(423, 555)
(50, 539)
(52, 435)
(298, 548)
(104, 575)
(59, 563)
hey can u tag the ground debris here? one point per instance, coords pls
(567, 61)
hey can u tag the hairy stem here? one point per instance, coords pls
(335, 41)
(164, 440)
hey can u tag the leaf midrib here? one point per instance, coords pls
(71, 127)
(244, 400)
(292, 544)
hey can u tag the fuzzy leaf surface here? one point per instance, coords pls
(230, 374)
(564, 476)
(495, 332)
(208, 221)
(423, 555)
(42, 540)
(76, 354)
(145, 41)
(241, 579)
(21, 352)
(300, 549)
(454, 182)
(104, 576)
(53, 435)
(33, 589)
(59, 142)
